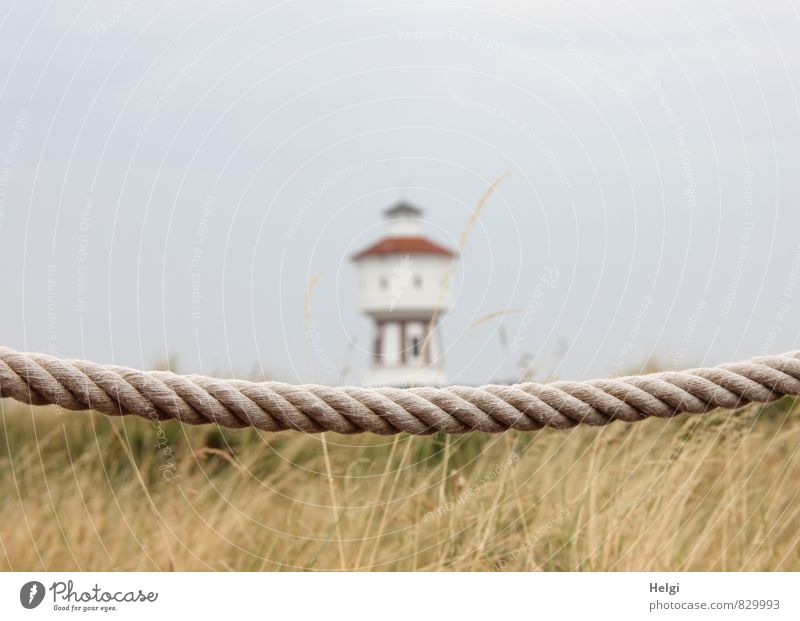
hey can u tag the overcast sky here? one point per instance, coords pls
(174, 173)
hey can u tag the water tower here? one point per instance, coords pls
(404, 285)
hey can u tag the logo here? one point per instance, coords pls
(31, 594)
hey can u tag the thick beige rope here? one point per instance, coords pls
(40, 379)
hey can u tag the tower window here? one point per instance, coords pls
(418, 281)
(384, 282)
(415, 346)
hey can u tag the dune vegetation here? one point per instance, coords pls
(87, 492)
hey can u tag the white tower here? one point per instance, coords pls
(404, 285)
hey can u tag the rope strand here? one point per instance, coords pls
(40, 379)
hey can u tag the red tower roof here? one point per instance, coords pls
(404, 245)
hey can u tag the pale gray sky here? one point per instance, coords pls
(165, 178)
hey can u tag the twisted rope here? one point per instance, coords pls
(39, 379)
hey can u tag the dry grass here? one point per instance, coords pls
(713, 492)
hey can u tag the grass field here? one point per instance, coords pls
(711, 492)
